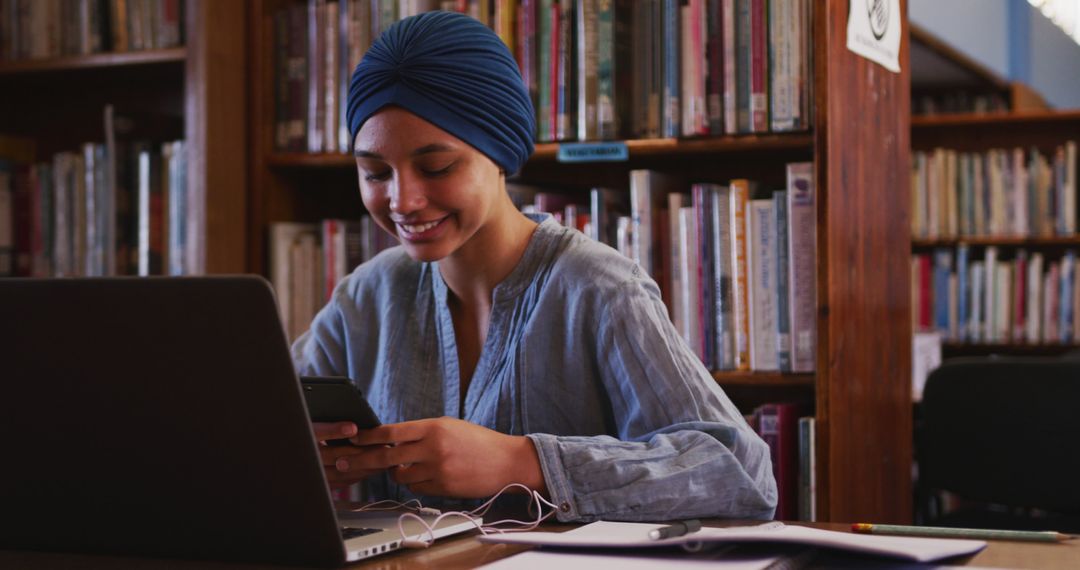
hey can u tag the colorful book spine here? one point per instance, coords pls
(759, 74)
(671, 94)
(740, 195)
(7, 222)
(729, 50)
(588, 59)
(963, 287)
(1065, 306)
(547, 22)
(564, 94)
(802, 268)
(778, 425)
(714, 69)
(780, 64)
(807, 469)
(1018, 303)
(722, 265)
(701, 195)
(1033, 323)
(1069, 189)
(942, 270)
(743, 65)
(761, 284)
(607, 112)
(676, 201)
(691, 306)
(783, 269)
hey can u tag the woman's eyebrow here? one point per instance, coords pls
(434, 147)
(427, 149)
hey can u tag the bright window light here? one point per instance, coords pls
(1064, 13)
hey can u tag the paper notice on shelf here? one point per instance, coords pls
(925, 358)
(873, 31)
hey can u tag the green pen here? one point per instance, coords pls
(977, 533)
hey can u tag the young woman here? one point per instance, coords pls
(498, 347)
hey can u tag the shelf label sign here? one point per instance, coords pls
(873, 31)
(593, 152)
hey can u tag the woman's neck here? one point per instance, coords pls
(487, 259)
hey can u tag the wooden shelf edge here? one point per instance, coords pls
(644, 147)
(741, 378)
(310, 160)
(991, 119)
(962, 349)
(112, 59)
(990, 345)
(1001, 241)
(661, 147)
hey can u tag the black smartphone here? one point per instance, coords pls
(337, 399)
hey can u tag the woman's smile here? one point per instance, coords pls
(421, 231)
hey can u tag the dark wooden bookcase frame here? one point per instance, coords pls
(201, 87)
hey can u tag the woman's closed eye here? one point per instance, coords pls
(435, 171)
(378, 175)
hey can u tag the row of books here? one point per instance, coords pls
(596, 69)
(957, 101)
(36, 29)
(1030, 298)
(316, 46)
(99, 211)
(735, 263)
(994, 193)
(308, 260)
(737, 274)
(792, 449)
(605, 70)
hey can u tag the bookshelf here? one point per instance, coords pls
(195, 92)
(860, 393)
(1038, 131)
(117, 59)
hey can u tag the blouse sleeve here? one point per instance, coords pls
(682, 448)
(321, 350)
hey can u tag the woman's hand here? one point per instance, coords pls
(444, 457)
(332, 455)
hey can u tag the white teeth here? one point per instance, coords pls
(417, 229)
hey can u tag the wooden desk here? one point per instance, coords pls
(464, 551)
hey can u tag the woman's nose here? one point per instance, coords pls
(406, 194)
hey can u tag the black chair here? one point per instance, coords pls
(1003, 434)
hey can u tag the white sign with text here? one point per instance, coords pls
(873, 31)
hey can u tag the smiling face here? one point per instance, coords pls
(425, 186)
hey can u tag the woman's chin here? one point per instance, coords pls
(425, 253)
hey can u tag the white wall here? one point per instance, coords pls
(1055, 64)
(977, 28)
(982, 30)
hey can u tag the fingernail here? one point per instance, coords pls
(342, 464)
(349, 430)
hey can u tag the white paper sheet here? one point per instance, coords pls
(635, 535)
(544, 560)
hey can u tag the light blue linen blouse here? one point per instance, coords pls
(580, 356)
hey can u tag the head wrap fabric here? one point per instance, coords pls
(454, 72)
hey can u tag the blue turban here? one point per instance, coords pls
(454, 72)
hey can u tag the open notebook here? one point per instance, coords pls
(636, 535)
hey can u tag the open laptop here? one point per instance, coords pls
(163, 417)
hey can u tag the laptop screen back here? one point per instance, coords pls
(157, 417)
